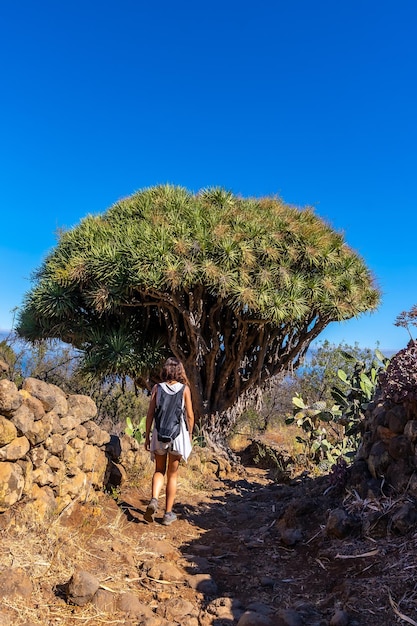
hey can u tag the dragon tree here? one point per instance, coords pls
(237, 288)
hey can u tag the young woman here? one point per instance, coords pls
(168, 454)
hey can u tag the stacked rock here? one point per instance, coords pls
(51, 450)
(389, 444)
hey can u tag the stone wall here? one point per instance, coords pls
(382, 482)
(389, 444)
(51, 450)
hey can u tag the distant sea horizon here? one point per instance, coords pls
(388, 352)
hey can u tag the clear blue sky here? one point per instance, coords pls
(313, 101)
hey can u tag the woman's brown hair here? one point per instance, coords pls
(173, 369)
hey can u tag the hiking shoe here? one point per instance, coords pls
(169, 518)
(151, 510)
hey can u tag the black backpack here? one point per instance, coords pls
(168, 414)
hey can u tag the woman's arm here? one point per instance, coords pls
(149, 418)
(189, 409)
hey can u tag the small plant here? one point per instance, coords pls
(407, 319)
(114, 493)
(138, 431)
(198, 438)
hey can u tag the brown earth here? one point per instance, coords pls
(241, 543)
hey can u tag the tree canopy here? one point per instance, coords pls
(237, 288)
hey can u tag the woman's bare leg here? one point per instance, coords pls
(171, 488)
(159, 474)
(157, 484)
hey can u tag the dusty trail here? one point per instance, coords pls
(246, 545)
(264, 547)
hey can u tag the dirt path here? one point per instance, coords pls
(246, 546)
(264, 547)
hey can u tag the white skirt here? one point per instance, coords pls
(181, 445)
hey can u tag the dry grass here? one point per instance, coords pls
(239, 441)
(49, 553)
(281, 435)
(94, 536)
(92, 540)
